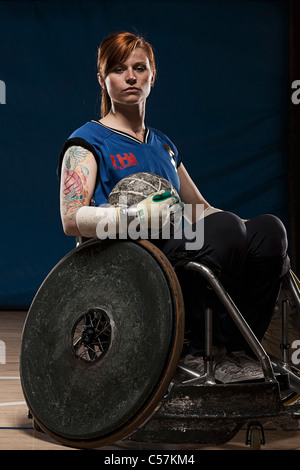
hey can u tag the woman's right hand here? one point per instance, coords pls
(157, 210)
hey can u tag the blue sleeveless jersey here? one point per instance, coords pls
(119, 154)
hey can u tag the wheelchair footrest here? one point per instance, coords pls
(208, 414)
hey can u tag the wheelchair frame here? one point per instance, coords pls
(196, 409)
(198, 402)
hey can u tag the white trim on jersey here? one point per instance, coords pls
(125, 133)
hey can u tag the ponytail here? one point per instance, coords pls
(105, 102)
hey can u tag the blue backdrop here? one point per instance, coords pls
(222, 96)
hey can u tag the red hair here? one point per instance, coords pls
(114, 50)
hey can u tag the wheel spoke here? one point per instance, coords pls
(92, 335)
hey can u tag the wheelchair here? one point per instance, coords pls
(100, 358)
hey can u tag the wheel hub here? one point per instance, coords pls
(91, 335)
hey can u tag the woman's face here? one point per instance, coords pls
(130, 82)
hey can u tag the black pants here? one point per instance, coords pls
(249, 259)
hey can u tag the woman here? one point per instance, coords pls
(247, 256)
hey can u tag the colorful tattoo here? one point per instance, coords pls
(75, 180)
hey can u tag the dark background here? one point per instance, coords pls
(223, 95)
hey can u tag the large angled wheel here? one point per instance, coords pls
(101, 342)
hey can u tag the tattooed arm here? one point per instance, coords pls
(78, 178)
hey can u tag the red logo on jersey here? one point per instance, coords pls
(120, 163)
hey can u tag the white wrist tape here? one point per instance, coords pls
(87, 219)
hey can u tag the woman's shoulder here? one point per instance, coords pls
(168, 144)
(162, 136)
(90, 136)
(91, 130)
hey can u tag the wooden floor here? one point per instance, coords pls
(17, 433)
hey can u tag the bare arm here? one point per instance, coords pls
(78, 177)
(189, 193)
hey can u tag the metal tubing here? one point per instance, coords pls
(208, 332)
(207, 377)
(237, 317)
(208, 359)
(285, 332)
(78, 241)
(281, 367)
(193, 373)
(289, 279)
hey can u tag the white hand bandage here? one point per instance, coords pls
(108, 221)
(89, 219)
